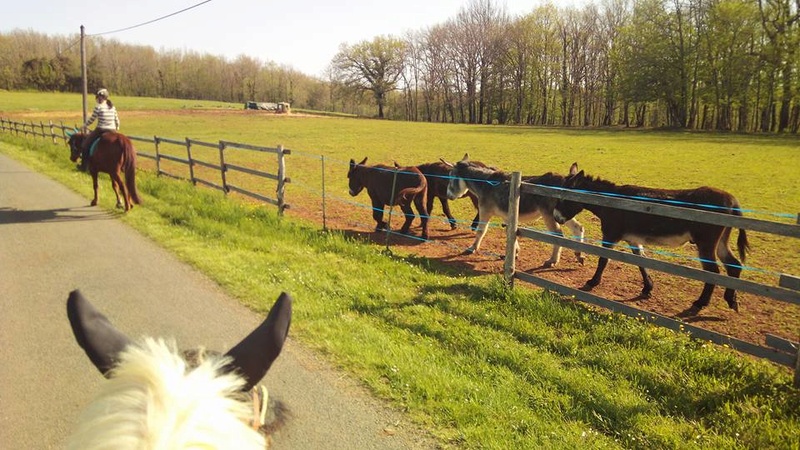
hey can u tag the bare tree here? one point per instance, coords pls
(374, 66)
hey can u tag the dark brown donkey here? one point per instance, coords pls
(410, 186)
(437, 174)
(639, 229)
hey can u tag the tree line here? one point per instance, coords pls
(694, 64)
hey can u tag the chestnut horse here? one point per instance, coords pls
(114, 153)
(159, 397)
(409, 186)
(640, 228)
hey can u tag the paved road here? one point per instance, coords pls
(51, 242)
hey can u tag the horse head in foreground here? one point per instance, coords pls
(113, 153)
(639, 228)
(157, 397)
(391, 185)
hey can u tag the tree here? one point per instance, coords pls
(373, 66)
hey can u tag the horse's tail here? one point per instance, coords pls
(742, 243)
(129, 167)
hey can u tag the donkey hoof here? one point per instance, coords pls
(645, 295)
(690, 312)
(587, 287)
(94, 203)
(581, 260)
(469, 251)
(548, 264)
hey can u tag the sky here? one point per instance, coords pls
(303, 34)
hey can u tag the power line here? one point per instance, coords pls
(150, 21)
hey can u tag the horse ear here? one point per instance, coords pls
(253, 356)
(466, 157)
(448, 164)
(573, 169)
(396, 166)
(364, 161)
(95, 333)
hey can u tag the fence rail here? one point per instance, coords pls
(781, 351)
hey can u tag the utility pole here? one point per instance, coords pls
(84, 82)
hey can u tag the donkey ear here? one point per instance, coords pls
(573, 169)
(253, 356)
(95, 333)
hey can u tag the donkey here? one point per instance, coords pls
(409, 186)
(158, 397)
(437, 174)
(491, 186)
(640, 228)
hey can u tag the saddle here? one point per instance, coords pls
(93, 145)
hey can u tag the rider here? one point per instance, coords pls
(107, 120)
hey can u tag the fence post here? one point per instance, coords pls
(158, 156)
(511, 228)
(44, 136)
(52, 132)
(191, 161)
(222, 167)
(324, 223)
(281, 191)
(63, 132)
(797, 369)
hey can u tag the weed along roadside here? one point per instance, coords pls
(473, 362)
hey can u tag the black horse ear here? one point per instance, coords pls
(95, 333)
(573, 169)
(253, 356)
(364, 161)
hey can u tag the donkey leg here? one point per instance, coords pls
(408, 213)
(598, 273)
(423, 215)
(94, 185)
(709, 262)
(377, 215)
(577, 231)
(555, 229)
(483, 226)
(446, 209)
(733, 267)
(646, 280)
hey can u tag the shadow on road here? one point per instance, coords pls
(12, 216)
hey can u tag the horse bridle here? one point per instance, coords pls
(260, 397)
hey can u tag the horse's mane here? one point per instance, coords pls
(154, 400)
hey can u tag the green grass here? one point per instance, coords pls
(476, 364)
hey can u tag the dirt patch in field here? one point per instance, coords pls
(671, 295)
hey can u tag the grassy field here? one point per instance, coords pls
(476, 364)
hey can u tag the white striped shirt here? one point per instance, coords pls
(107, 118)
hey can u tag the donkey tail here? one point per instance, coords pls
(742, 244)
(410, 192)
(129, 167)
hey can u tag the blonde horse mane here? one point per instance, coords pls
(155, 400)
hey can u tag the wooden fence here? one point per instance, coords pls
(781, 351)
(59, 131)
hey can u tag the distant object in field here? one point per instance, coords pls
(278, 108)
